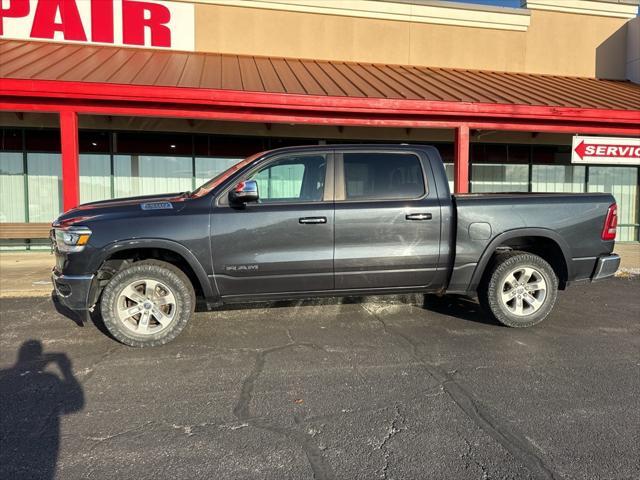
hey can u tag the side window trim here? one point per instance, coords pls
(223, 199)
(340, 184)
(339, 181)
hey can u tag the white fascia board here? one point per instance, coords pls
(586, 7)
(438, 12)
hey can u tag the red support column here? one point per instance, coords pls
(461, 160)
(70, 160)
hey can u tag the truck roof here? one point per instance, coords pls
(358, 146)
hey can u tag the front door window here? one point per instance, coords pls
(292, 179)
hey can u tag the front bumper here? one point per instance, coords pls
(72, 290)
(606, 266)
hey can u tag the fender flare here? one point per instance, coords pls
(175, 247)
(518, 232)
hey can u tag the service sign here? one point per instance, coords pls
(606, 150)
(134, 23)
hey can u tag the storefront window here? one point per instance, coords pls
(208, 167)
(44, 175)
(12, 205)
(501, 177)
(92, 141)
(95, 177)
(44, 182)
(450, 175)
(11, 139)
(557, 178)
(153, 143)
(493, 170)
(230, 146)
(147, 175)
(622, 183)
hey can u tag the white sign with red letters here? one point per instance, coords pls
(134, 23)
(606, 150)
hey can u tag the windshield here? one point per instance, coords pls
(221, 177)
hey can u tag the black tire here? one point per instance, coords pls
(170, 277)
(490, 291)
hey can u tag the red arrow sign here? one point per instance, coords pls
(580, 149)
(607, 151)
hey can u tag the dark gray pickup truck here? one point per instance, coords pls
(326, 220)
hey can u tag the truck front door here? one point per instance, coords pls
(387, 220)
(283, 243)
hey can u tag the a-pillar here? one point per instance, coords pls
(70, 160)
(461, 160)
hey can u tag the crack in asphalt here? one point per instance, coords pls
(394, 429)
(320, 468)
(515, 444)
(469, 455)
(158, 426)
(91, 368)
(99, 440)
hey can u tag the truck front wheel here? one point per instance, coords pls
(147, 304)
(519, 290)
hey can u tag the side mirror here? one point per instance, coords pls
(244, 192)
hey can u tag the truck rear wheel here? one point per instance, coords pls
(147, 304)
(519, 290)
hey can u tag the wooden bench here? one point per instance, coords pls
(24, 231)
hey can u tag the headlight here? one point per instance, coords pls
(72, 239)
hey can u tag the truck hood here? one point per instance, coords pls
(171, 201)
(132, 201)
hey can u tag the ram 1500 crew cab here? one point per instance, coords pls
(326, 220)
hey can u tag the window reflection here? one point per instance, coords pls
(95, 177)
(44, 183)
(209, 167)
(622, 183)
(12, 205)
(149, 174)
(499, 178)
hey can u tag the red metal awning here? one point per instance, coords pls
(100, 79)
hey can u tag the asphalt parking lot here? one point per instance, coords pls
(343, 388)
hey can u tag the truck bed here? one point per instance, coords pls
(483, 221)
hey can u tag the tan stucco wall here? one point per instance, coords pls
(555, 43)
(633, 50)
(572, 44)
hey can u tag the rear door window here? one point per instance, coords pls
(383, 176)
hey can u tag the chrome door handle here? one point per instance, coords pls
(313, 220)
(418, 216)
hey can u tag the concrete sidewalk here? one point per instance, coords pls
(630, 255)
(27, 274)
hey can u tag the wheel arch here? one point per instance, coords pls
(545, 243)
(160, 249)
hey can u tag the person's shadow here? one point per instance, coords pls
(32, 400)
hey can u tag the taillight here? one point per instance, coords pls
(610, 223)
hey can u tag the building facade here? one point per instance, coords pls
(110, 98)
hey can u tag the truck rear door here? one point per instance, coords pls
(387, 220)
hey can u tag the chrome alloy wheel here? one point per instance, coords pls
(524, 291)
(146, 306)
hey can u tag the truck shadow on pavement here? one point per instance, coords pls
(459, 307)
(303, 302)
(455, 306)
(75, 317)
(33, 399)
